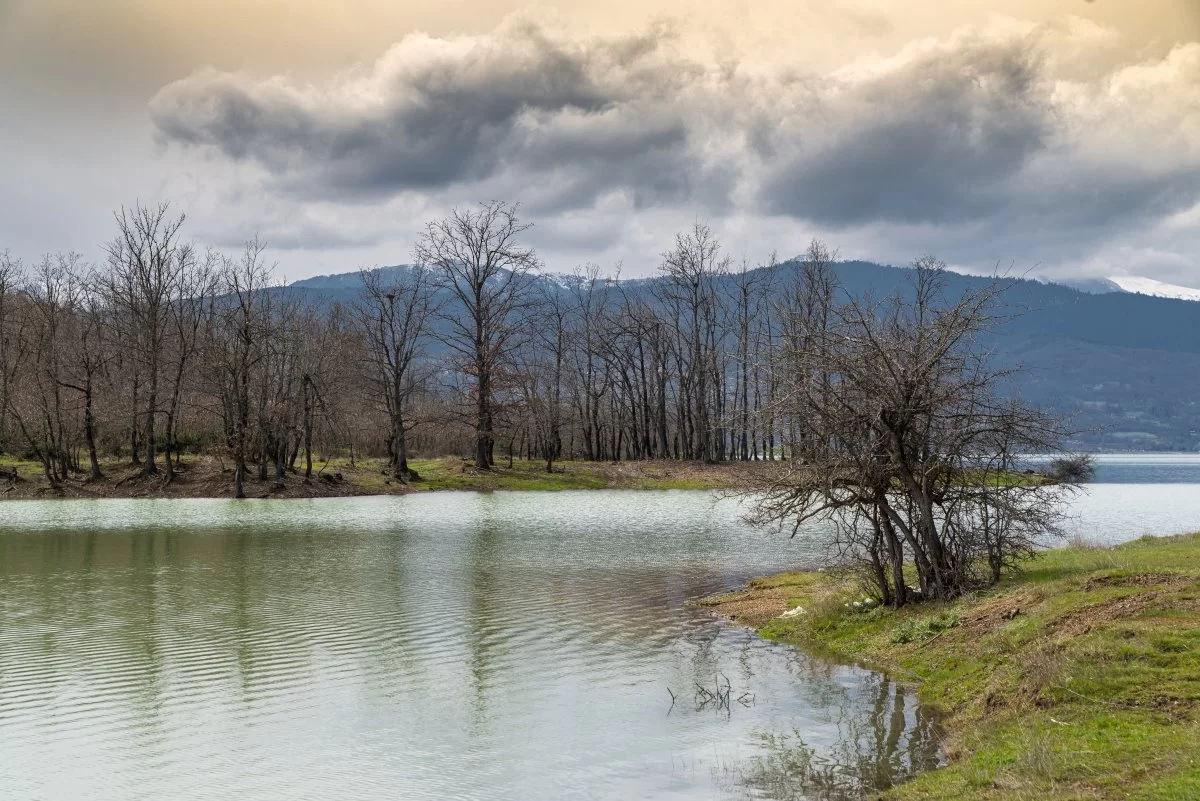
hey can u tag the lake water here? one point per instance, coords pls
(1138, 494)
(454, 645)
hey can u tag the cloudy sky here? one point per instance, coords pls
(1058, 136)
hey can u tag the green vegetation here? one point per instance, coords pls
(455, 473)
(1077, 679)
(449, 473)
(207, 476)
(24, 467)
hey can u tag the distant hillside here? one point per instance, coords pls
(1124, 366)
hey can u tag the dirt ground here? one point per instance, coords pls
(197, 477)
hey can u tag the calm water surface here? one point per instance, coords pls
(1138, 494)
(504, 646)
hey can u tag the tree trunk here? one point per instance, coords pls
(89, 431)
(167, 447)
(150, 467)
(483, 419)
(308, 427)
(400, 447)
(895, 549)
(134, 444)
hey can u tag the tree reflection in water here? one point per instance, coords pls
(892, 742)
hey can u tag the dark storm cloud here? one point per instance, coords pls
(982, 132)
(591, 115)
(991, 136)
(933, 141)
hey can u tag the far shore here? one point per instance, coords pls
(212, 477)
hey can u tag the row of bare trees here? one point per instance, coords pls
(889, 415)
(163, 347)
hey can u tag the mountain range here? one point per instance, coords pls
(1122, 365)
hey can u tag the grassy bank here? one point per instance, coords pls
(1079, 679)
(212, 477)
(454, 473)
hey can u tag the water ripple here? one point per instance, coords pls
(430, 647)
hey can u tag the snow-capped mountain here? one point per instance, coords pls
(1148, 286)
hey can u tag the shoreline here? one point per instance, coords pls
(211, 477)
(1078, 679)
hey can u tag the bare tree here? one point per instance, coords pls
(543, 369)
(751, 288)
(51, 299)
(329, 353)
(477, 258)
(649, 344)
(910, 442)
(392, 316)
(691, 270)
(146, 261)
(11, 285)
(590, 295)
(808, 306)
(236, 345)
(1075, 468)
(93, 358)
(187, 314)
(75, 287)
(277, 415)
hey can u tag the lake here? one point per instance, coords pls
(450, 645)
(1138, 494)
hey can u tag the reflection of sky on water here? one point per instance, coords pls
(439, 646)
(506, 646)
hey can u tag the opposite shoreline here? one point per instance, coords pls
(1077, 679)
(211, 477)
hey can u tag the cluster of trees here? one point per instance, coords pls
(159, 349)
(885, 412)
(163, 348)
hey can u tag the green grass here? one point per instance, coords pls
(1078, 679)
(26, 468)
(206, 474)
(1007, 478)
(454, 473)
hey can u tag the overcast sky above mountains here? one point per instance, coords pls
(1059, 135)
